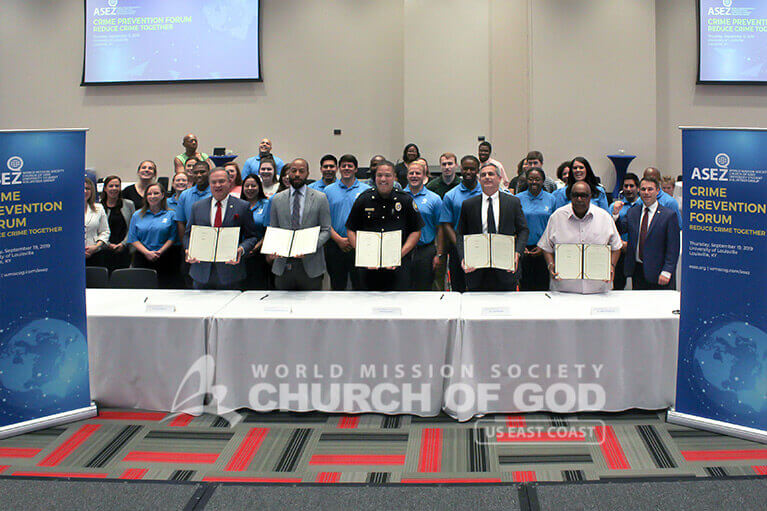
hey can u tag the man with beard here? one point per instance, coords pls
(300, 207)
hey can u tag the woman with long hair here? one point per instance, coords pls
(119, 212)
(153, 234)
(96, 227)
(267, 172)
(580, 170)
(255, 263)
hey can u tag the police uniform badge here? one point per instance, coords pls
(398, 206)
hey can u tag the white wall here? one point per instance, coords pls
(446, 79)
(593, 82)
(683, 103)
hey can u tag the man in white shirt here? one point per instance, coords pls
(580, 222)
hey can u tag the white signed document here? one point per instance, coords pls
(214, 245)
(596, 262)
(568, 260)
(287, 243)
(489, 251)
(378, 249)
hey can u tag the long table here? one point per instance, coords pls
(564, 352)
(355, 352)
(346, 352)
(146, 347)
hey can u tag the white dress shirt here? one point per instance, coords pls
(596, 227)
(496, 210)
(213, 210)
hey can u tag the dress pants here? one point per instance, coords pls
(457, 276)
(535, 275)
(213, 282)
(340, 266)
(421, 268)
(294, 278)
(619, 281)
(638, 280)
(491, 279)
(168, 275)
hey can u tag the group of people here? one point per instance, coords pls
(145, 226)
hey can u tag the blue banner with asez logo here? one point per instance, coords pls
(722, 372)
(43, 349)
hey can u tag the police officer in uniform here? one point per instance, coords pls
(383, 209)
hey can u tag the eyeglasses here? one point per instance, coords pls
(579, 195)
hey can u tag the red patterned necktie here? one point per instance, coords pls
(643, 232)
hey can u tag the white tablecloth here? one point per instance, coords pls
(528, 349)
(325, 348)
(140, 358)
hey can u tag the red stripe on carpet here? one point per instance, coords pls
(357, 459)
(430, 459)
(171, 457)
(452, 480)
(348, 422)
(611, 448)
(754, 454)
(516, 421)
(523, 436)
(3, 468)
(134, 473)
(18, 452)
(759, 469)
(181, 420)
(524, 476)
(328, 477)
(61, 474)
(132, 416)
(247, 449)
(65, 449)
(252, 479)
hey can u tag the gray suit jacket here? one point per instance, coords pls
(316, 212)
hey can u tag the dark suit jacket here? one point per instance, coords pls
(237, 214)
(511, 220)
(661, 247)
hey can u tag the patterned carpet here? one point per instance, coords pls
(315, 447)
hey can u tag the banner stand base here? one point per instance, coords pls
(49, 421)
(724, 428)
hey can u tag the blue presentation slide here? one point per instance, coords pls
(733, 41)
(171, 40)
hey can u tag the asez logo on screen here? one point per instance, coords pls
(107, 11)
(14, 164)
(721, 11)
(718, 173)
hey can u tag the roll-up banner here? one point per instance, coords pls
(43, 348)
(722, 368)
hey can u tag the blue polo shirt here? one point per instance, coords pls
(430, 206)
(261, 216)
(185, 201)
(320, 185)
(561, 199)
(451, 204)
(172, 202)
(254, 162)
(537, 210)
(151, 229)
(624, 211)
(667, 201)
(340, 199)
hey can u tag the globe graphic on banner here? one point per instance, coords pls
(733, 359)
(43, 366)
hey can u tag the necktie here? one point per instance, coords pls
(217, 221)
(643, 232)
(490, 217)
(295, 216)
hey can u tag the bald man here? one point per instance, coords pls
(253, 163)
(189, 142)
